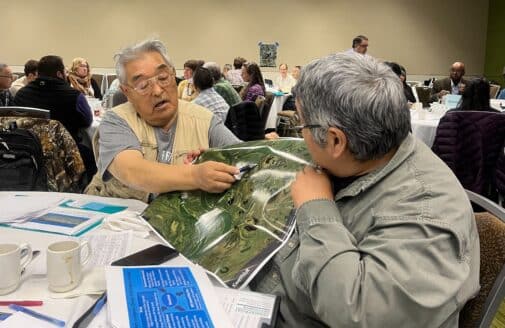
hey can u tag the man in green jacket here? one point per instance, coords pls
(222, 86)
(385, 235)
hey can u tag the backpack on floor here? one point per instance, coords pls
(21, 161)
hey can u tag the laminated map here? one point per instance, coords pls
(233, 234)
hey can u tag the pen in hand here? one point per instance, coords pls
(244, 169)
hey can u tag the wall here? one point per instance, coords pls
(426, 36)
(495, 45)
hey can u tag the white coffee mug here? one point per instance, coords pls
(64, 264)
(12, 263)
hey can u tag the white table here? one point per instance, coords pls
(497, 104)
(96, 107)
(276, 107)
(68, 310)
(424, 128)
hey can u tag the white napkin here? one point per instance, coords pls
(127, 221)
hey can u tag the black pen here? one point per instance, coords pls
(247, 168)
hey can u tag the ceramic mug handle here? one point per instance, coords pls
(85, 260)
(27, 258)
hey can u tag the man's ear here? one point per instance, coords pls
(61, 75)
(336, 143)
(126, 91)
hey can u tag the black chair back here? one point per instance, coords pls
(25, 112)
(245, 122)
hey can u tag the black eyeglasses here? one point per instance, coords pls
(306, 126)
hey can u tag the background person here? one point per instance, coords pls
(186, 89)
(255, 87)
(30, 75)
(5, 83)
(80, 79)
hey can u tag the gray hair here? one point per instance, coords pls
(359, 95)
(3, 66)
(214, 69)
(130, 53)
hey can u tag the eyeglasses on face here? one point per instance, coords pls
(8, 76)
(144, 87)
(299, 128)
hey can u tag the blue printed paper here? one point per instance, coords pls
(164, 297)
(94, 206)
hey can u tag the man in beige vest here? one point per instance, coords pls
(140, 145)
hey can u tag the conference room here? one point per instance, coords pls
(264, 164)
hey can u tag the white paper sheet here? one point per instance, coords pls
(247, 309)
(22, 206)
(108, 247)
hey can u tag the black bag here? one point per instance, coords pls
(21, 161)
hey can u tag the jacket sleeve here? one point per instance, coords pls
(96, 89)
(84, 112)
(404, 272)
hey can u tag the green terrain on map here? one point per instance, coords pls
(231, 233)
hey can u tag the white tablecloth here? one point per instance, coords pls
(65, 309)
(425, 129)
(277, 104)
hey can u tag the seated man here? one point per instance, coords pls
(454, 84)
(5, 84)
(221, 85)
(142, 143)
(284, 82)
(385, 234)
(207, 95)
(30, 75)
(51, 91)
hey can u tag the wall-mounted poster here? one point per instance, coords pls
(268, 54)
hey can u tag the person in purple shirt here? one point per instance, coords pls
(255, 86)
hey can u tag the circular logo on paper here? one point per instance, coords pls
(169, 300)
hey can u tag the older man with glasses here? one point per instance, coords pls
(385, 235)
(6, 79)
(142, 143)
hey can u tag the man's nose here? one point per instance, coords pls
(157, 90)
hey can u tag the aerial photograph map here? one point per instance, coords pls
(233, 234)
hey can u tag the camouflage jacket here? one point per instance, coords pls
(63, 163)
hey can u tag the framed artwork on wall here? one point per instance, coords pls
(268, 54)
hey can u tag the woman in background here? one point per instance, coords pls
(407, 89)
(402, 75)
(80, 79)
(186, 89)
(476, 96)
(255, 87)
(226, 69)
